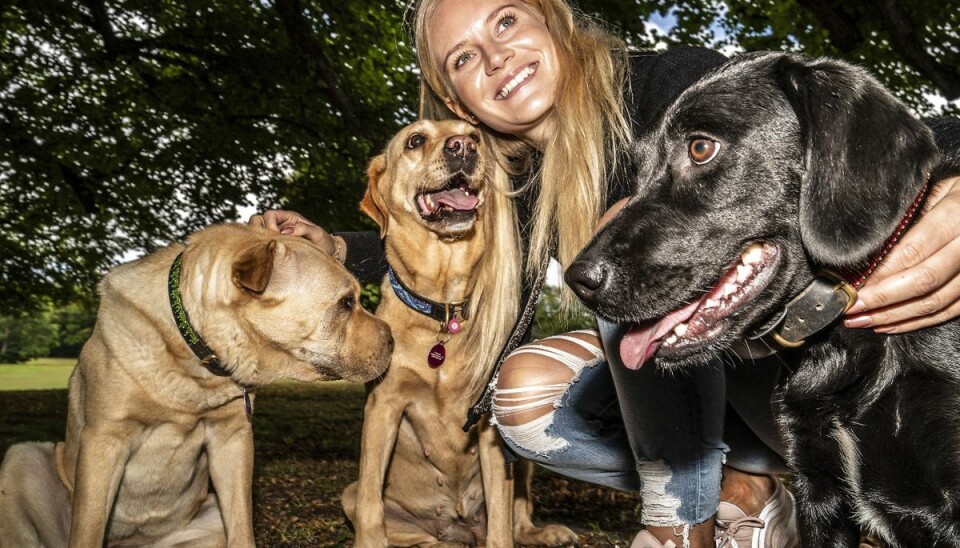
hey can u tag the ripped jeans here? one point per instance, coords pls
(662, 434)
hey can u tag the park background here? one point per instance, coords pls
(127, 124)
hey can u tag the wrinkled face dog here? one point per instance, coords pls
(153, 422)
(298, 308)
(435, 179)
(758, 177)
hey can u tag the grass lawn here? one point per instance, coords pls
(307, 442)
(39, 374)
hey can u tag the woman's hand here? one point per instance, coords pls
(918, 284)
(291, 223)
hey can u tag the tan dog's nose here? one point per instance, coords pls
(460, 147)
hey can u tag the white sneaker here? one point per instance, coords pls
(774, 527)
(645, 539)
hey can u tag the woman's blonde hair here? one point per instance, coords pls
(589, 127)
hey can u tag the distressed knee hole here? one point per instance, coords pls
(532, 382)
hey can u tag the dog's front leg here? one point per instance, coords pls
(824, 515)
(381, 423)
(104, 450)
(524, 531)
(497, 487)
(230, 454)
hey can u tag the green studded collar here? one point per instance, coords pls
(206, 356)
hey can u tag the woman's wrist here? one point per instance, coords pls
(339, 249)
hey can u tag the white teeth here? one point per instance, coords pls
(711, 303)
(743, 272)
(524, 74)
(729, 289)
(680, 330)
(671, 339)
(752, 255)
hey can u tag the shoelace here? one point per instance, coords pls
(728, 530)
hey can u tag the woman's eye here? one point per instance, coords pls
(460, 60)
(702, 150)
(415, 141)
(505, 22)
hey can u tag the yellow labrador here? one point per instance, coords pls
(150, 426)
(423, 480)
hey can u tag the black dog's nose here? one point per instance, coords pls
(460, 146)
(586, 278)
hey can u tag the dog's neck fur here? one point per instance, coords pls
(437, 269)
(141, 293)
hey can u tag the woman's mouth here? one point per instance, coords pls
(703, 320)
(516, 81)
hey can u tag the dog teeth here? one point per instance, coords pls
(671, 339)
(743, 272)
(752, 255)
(729, 289)
(680, 330)
(711, 303)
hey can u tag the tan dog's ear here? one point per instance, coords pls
(372, 203)
(252, 271)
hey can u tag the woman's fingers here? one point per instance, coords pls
(923, 311)
(291, 223)
(918, 284)
(278, 219)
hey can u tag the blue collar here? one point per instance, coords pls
(442, 312)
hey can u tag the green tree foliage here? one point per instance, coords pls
(125, 124)
(25, 337)
(913, 46)
(73, 323)
(548, 319)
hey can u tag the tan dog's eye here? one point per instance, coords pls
(703, 150)
(348, 303)
(415, 141)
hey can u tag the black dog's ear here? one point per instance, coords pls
(866, 157)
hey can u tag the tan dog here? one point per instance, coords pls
(423, 481)
(149, 427)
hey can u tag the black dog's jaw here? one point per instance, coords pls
(758, 176)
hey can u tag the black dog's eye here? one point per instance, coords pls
(416, 141)
(703, 150)
(348, 302)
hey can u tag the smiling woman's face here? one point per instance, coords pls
(500, 61)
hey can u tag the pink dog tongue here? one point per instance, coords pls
(642, 341)
(455, 199)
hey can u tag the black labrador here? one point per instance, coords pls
(760, 176)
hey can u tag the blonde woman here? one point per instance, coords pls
(563, 99)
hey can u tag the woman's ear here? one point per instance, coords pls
(461, 112)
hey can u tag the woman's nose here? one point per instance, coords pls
(497, 57)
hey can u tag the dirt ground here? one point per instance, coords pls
(307, 443)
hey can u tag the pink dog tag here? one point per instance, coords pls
(437, 355)
(454, 326)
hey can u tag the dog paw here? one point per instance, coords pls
(374, 539)
(548, 535)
